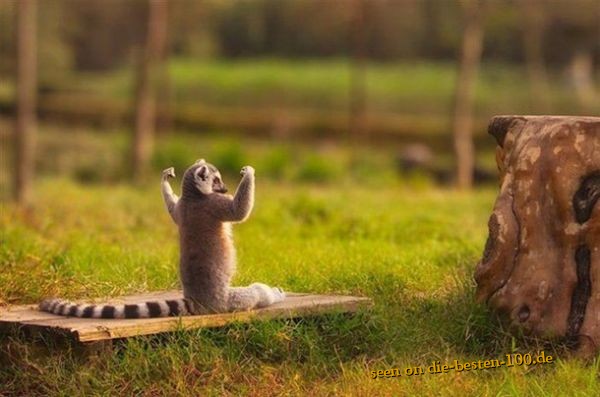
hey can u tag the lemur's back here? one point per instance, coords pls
(207, 256)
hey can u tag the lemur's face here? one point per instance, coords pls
(207, 178)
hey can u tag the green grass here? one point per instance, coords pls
(408, 87)
(103, 156)
(412, 249)
(406, 101)
(327, 220)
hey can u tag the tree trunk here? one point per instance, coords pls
(145, 107)
(540, 269)
(533, 35)
(582, 77)
(358, 72)
(25, 124)
(472, 43)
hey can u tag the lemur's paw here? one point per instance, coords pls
(168, 173)
(278, 294)
(247, 170)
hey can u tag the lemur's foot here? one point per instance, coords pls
(279, 294)
(248, 169)
(168, 173)
(268, 295)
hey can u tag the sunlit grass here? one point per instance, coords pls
(327, 219)
(412, 249)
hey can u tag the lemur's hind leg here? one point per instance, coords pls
(170, 198)
(254, 296)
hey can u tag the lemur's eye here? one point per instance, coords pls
(217, 180)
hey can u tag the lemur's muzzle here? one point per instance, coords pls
(221, 189)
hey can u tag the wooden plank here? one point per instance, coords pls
(88, 330)
(24, 313)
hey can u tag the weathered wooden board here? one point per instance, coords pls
(28, 317)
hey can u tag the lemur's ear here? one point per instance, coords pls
(202, 172)
(201, 161)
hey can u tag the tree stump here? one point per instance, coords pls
(541, 265)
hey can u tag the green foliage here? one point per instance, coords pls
(242, 94)
(407, 101)
(229, 157)
(88, 158)
(317, 168)
(87, 174)
(276, 163)
(175, 153)
(104, 35)
(373, 169)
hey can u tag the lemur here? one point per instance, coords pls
(207, 259)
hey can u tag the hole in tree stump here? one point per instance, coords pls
(523, 314)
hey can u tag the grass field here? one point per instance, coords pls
(409, 101)
(407, 88)
(417, 87)
(409, 246)
(103, 156)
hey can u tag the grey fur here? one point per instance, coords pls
(207, 256)
(207, 259)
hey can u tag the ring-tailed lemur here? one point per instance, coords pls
(207, 256)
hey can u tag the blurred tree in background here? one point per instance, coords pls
(101, 34)
(83, 34)
(148, 75)
(377, 71)
(534, 23)
(25, 121)
(468, 67)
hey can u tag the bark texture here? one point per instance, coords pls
(541, 265)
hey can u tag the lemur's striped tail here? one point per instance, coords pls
(164, 308)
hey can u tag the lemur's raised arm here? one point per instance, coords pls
(170, 198)
(238, 208)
